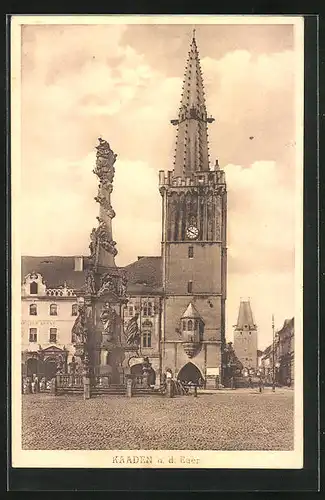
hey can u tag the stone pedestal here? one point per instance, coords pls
(86, 382)
(53, 386)
(170, 388)
(129, 387)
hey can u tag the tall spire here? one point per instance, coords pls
(191, 153)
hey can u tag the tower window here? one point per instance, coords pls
(190, 325)
(33, 335)
(184, 326)
(53, 310)
(74, 310)
(53, 335)
(33, 288)
(33, 310)
(190, 252)
(190, 287)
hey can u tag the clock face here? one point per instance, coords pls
(192, 232)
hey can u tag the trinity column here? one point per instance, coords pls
(99, 335)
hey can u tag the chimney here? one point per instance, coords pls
(78, 263)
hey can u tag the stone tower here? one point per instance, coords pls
(194, 207)
(245, 336)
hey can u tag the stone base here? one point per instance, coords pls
(210, 383)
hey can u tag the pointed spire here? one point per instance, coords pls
(192, 141)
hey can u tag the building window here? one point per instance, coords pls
(33, 288)
(190, 287)
(190, 252)
(130, 310)
(146, 338)
(147, 309)
(53, 310)
(33, 310)
(53, 335)
(190, 325)
(33, 335)
(74, 310)
(184, 326)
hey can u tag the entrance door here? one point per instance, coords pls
(190, 373)
(32, 367)
(50, 368)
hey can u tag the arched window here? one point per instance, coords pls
(33, 310)
(184, 326)
(190, 324)
(74, 310)
(33, 288)
(53, 310)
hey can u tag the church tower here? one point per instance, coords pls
(245, 336)
(194, 208)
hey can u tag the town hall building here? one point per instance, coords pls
(177, 300)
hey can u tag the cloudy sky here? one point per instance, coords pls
(123, 83)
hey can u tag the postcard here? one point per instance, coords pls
(157, 218)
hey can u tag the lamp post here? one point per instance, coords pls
(273, 356)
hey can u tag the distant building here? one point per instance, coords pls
(245, 337)
(283, 356)
(285, 353)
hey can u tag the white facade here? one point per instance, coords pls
(47, 316)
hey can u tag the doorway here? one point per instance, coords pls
(50, 368)
(32, 367)
(190, 373)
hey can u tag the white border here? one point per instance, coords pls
(104, 459)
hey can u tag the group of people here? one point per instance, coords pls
(32, 385)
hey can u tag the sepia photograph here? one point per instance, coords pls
(157, 213)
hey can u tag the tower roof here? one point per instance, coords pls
(245, 319)
(191, 312)
(191, 153)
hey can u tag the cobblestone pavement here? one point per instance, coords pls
(222, 421)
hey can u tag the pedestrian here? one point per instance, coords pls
(36, 382)
(250, 382)
(42, 385)
(261, 383)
